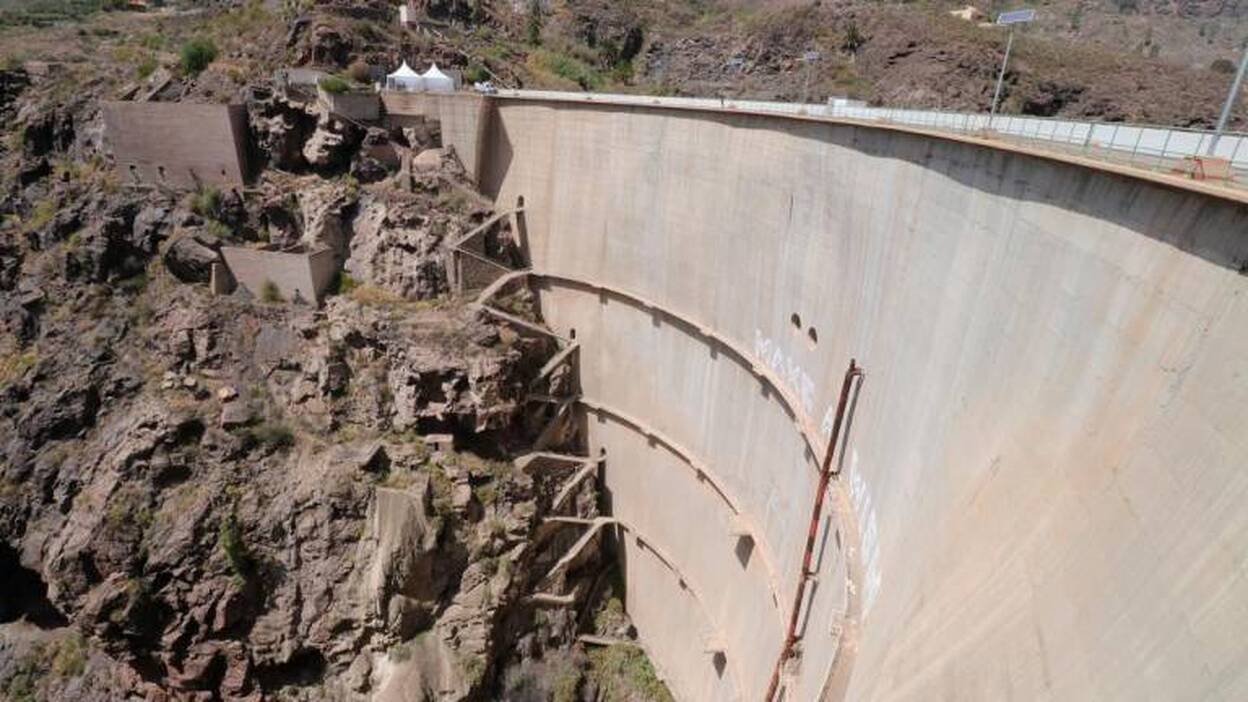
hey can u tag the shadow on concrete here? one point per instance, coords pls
(496, 158)
(716, 349)
(1196, 223)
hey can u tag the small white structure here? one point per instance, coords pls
(407, 14)
(436, 81)
(405, 80)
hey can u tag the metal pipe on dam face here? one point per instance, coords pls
(1043, 480)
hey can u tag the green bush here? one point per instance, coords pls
(344, 283)
(230, 540)
(152, 41)
(476, 73)
(624, 673)
(334, 85)
(23, 686)
(565, 66)
(610, 617)
(41, 214)
(272, 434)
(134, 285)
(218, 229)
(69, 658)
(146, 67)
(533, 24)
(206, 202)
(360, 72)
(14, 364)
(1222, 65)
(270, 293)
(196, 54)
(567, 685)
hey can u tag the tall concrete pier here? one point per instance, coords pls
(1042, 485)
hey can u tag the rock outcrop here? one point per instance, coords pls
(222, 499)
(217, 497)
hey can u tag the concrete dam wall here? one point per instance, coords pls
(1043, 476)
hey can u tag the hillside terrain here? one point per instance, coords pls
(1192, 33)
(234, 497)
(918, 55)
(1115, 60)
(190, 484)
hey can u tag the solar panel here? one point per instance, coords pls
(1016, 16)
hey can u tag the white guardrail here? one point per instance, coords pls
(1146, 146)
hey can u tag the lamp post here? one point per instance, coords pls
(1007, 18)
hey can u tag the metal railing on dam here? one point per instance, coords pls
(1042, 480)
(1153, 148)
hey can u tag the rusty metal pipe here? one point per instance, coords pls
(825, 476)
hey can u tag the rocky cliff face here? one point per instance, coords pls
(216, 497)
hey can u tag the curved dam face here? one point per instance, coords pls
(1043, 476)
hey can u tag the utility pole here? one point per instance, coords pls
(996, 95)
(1230, 102)
(1010, 18)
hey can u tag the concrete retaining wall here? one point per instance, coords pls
(465, 120)
(299, 277)
(405, 104)
(361, 107)
(179, 145)
(1043, 486)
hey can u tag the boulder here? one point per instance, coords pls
(396, 247)
(427, 161)
(189, 260)
(321, 211)
(235, 414)
(280, 216)
(68, 413)
(331, 145)
(32, 170)
(150, 225)
(106, 249)
(369, 170)
(281, 129)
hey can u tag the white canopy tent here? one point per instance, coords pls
(405, 80)
(435, 81)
